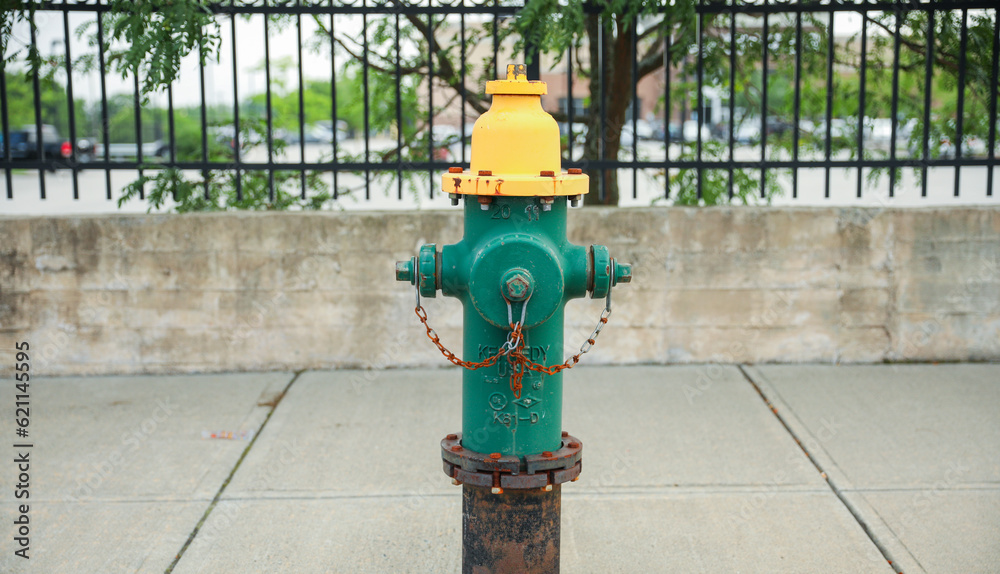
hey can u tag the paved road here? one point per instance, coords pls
(700, 468)
(649, 187)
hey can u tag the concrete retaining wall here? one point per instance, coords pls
(245, 291)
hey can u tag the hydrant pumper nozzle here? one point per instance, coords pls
(514, 270)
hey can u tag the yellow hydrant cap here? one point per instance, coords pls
(516, 84)
(515, 146)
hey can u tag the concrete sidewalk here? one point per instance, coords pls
(711, 468)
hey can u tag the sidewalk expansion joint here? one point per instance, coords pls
(822, 472)
(222, 488)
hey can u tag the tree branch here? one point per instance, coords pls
(377, 67)
(445, 71)
(951, 63)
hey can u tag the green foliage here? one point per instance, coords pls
(144, 38)
(155, 35)
(715, 182)
(231, 189)
(54, 103)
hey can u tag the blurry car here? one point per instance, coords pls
(690, 131)
(24, 144)
(659, 134)
(838, 129)
(747, 132)
(642, 128)
(972, 146)
(323, 131)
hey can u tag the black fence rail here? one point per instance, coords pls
(696, 102)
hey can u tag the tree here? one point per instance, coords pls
(626, 26)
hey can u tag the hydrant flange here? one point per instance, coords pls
(500, 472)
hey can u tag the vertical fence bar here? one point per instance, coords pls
(204, 118)
(601, 39)
(430, 105)
(570, 103)
(895, 102)
(797, 104)
(269, 112)
(139, 155)
(732, 101)
(36, 88)
(5, 120)
(399, 111)
(73, 159)
(364, 79)
(928, 82)
(666, 113)
(171, 139)
(496, 39)
(700, 70)
(333, 102)
(302, 108)
(236, 119)
(993, 102)
(171, 126)
(863, 77)
(635, 106)
(105, 121)
(461, 74)
(763, 109)
(960, 112)
(829, 106)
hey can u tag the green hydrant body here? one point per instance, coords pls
(514, 270)
(535, 244)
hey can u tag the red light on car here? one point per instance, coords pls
(66, 149)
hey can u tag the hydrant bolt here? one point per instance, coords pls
(404, 271)
(516, 284)
(623, 273)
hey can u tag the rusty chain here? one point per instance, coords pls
(513, 348)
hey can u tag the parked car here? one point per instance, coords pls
(658, 132)
(323, 130)
(690, 131)
(747, 131)
(972, 146)
(24, 144)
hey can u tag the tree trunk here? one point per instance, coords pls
(615, 77)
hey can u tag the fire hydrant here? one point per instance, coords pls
(514, 271)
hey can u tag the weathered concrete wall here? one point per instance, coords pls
(234, 292)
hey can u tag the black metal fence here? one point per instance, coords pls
(745, 96)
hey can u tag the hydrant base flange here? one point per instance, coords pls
(542, 470)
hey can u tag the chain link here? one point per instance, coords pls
(513, 348)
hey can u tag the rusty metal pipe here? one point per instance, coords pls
(510, 533)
